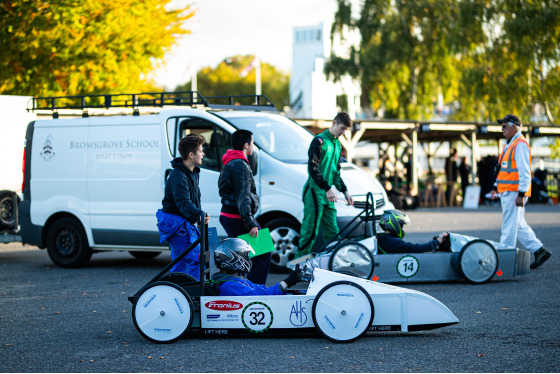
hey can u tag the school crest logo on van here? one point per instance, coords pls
(47, 152)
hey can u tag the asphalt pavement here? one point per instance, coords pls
(79, 320)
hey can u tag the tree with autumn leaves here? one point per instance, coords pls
(487, 57)
(71, 47)
(236, 75)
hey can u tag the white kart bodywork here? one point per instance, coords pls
(341, 307)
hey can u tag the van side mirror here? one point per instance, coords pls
(254, 161)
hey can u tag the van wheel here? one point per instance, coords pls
(144, 255)
(285, 235)
(67, 243)
(7, 210)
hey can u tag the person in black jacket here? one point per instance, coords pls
(392, 221)
(451, 170)
(464, 171)
(180, 210)
(240, 201)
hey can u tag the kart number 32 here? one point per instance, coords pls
(257, 317)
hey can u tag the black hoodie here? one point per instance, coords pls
(182, 194)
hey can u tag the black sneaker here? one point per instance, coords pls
(541, 256)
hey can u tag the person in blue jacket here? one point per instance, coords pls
(393, 221)
(232, 258)
(180, 211)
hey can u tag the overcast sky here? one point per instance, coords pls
(223, 28)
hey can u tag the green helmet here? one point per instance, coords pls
(393, 222)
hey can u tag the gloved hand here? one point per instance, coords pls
(294, 277)
(445, 242)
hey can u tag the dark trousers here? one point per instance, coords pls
(261, 264)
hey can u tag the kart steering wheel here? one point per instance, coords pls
(445, 245)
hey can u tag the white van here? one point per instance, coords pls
(13, 121)
(95, 183)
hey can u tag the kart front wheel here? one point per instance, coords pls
(162, 312)
(352, 257)
(342, 311)
(478, 261)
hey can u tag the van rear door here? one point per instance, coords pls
(58, 181)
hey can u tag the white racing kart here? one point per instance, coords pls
(460, 257)
(339, 306)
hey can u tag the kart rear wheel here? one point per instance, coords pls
(352, 257)
(478, 261)
(342, 311)
(162, 312)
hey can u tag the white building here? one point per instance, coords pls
(311, 94)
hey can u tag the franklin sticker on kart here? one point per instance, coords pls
(453, 257)
(341, 307)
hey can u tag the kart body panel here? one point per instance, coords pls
(341, 307)
(396, 309)
(430, 266)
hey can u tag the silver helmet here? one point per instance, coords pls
(233, 254)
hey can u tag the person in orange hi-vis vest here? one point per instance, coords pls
(513, 183)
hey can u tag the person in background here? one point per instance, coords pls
(393, 221)
(319, 194)
(240, 201)
(180, 212)
(451, 174)
(464, 172)
(513, 183)
(232, 258)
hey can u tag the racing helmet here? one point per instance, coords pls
(393, 221)
(233, 254)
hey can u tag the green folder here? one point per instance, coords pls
(261, 244)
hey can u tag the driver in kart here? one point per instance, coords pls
(232, 258)
(393, 221)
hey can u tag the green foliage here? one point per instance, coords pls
(492, 57)
(234, 76)
(405, 58)
(84, 47)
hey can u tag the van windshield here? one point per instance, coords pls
(277, 135)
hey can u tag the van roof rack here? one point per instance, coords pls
(148, 99)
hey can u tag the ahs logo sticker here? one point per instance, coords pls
(298, 316)
(48, 153)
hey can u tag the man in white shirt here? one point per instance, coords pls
(513, 183)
